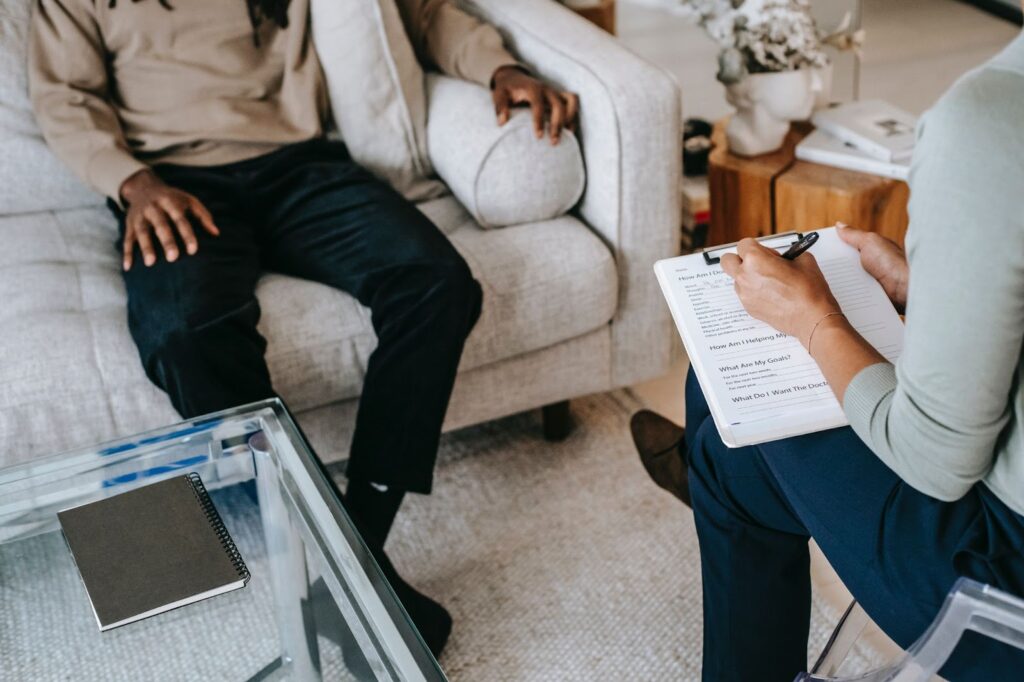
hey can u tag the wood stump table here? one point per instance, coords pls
(601, 13)
(773, 193)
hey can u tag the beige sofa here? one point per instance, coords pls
(571, 304)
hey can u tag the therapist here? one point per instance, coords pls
(928, 484)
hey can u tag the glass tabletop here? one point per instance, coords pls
(316, 606)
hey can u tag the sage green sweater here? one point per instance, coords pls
(950, 414)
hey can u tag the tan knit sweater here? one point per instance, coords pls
(117, 88)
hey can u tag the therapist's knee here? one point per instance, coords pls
(693, 390)
(697, 410)
(702, 457)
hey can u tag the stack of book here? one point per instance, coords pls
(870, 136)
(696, 213)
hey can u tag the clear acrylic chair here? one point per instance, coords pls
(969, 606)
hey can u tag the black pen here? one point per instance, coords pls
(799, 247)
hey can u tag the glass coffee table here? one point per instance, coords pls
(316, 606)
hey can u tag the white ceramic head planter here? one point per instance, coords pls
(766, 103)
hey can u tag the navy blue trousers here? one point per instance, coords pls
(897, 550)
(308, 210)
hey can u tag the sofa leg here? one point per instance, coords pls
(557, 421)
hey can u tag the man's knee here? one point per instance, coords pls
(172, 356)
(452, 287)
(457, 282)
(206, 365)
(178, 341)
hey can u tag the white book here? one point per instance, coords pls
(760, 384)
(821, 147)
(875, 127)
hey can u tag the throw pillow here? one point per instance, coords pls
(503, 175)
(376, 90)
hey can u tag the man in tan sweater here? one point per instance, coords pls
(202, 122)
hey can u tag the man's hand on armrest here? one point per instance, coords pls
(511, 85)
(153, 206)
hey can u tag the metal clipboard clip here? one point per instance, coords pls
(779, 242)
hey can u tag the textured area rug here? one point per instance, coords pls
(561, 561)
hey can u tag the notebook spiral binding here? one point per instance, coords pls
(218, 526)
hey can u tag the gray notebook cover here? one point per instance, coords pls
(152, 549)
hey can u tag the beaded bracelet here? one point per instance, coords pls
(815, 328)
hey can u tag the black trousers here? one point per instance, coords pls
(308, 210)
(898, 550)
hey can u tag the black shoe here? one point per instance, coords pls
(331, 624)
(661, 447)
(432, 620)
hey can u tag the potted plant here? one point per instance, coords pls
(772, 64)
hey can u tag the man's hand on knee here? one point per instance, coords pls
(153, 207)
(511, 86)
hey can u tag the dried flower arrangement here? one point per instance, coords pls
(765, 36)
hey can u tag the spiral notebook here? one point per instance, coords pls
(152, 549)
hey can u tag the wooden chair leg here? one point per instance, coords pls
(557, 421)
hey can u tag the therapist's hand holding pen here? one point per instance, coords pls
(789, 294)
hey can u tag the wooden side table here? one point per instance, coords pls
(772, 193)
(601, 13)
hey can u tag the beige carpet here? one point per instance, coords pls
(560, 561)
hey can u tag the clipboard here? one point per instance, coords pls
(713, 255)
(761, 384)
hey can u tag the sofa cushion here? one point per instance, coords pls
(31, 177)
(503, 175)
(71, 375)
(376, 90)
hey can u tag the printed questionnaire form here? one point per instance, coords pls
(761, 384)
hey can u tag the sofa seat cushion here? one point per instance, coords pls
(71, 374)
(542, 282)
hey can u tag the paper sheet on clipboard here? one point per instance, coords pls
(761, 385)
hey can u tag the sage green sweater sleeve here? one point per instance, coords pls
(948, 415)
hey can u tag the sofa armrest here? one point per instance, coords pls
(631, 134)
(503, 175)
